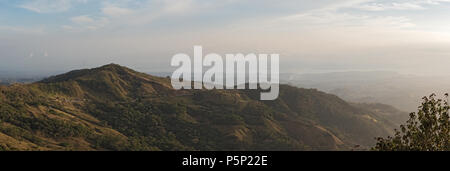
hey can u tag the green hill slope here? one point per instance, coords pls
(115, 108)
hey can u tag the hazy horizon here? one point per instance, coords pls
(43, 36)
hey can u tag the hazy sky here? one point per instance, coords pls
(410, 36)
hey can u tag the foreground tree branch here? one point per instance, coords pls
(426, 130)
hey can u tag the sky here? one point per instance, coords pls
(406, 36)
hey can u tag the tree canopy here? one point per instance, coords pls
(426, 130)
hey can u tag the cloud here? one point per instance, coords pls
(82, 19)
(141, 13)
(411, 5)
(23, 30)
(174, 6)
(336, 15)
(321, 19)
(391, 6)
(67, 27)
(49, 6)
(85, 23)
(114, 11)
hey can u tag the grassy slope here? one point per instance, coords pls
(116, 108)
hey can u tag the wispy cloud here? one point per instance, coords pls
(134, 13)
(23, 30)
(85, 23)
(114, 11)
(82, 19)
(335, 15)
(401, 5)
(331, 19)
(391, 6)
(175, 6)
(49, 6)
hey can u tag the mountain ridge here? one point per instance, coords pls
(116, 108)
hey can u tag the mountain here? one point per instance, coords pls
(399, 90)
(115, 108)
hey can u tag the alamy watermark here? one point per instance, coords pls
(236, 75)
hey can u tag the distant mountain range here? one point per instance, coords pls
(401, 91)
(115, 108)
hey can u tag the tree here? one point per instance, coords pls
(426, 130)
